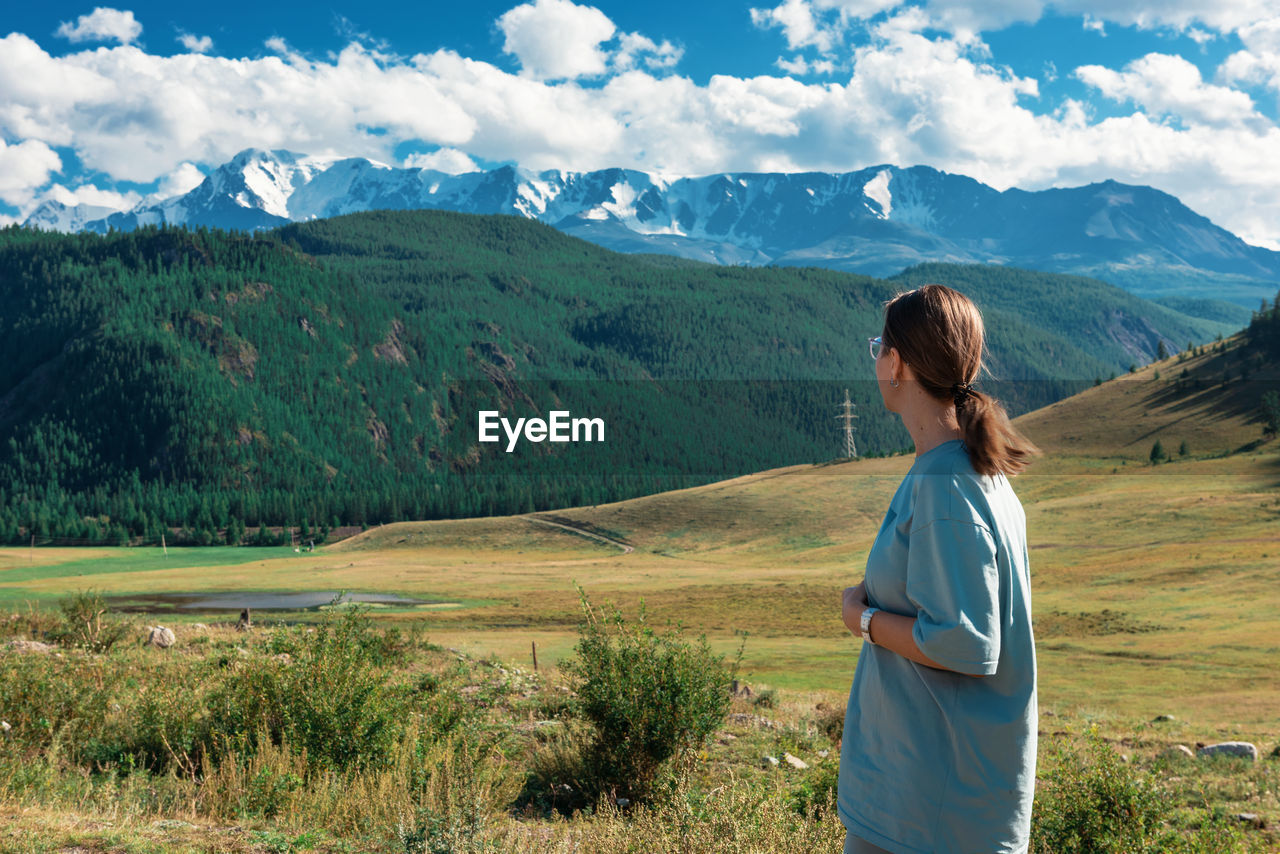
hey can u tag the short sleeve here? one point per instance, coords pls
(953, 580)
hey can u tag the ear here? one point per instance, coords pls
(899, 369)
(894, 362)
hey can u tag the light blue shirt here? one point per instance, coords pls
(935, 761)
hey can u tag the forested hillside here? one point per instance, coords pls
(330, 373)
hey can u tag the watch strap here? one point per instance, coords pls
(865, 625)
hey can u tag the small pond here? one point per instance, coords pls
(265, 601)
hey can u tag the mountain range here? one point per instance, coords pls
(876, 221)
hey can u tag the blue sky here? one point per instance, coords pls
(114, 105)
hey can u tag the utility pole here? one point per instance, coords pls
(850, 449)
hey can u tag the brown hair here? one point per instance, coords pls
(938, 332)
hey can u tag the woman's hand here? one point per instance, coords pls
(854, 603)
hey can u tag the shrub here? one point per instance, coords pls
(831, 722)
(88, 624)
(649, 698)
(331, 698)
(1094, 804)
(815, 794)
(766, 699)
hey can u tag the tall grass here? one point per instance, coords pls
(379, 739)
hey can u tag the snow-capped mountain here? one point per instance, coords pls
(876, 220)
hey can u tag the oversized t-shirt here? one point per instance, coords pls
(931, 760)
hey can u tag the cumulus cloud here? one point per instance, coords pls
(195, 44)
(449, 160)
(180, 181)
(23, 168)
(88, 194)
(1165, 85)
(798, 66)
(556, 39)
(799, 24)
(103, 24)
(635, 50)
(822, 23)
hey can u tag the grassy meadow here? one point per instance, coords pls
(1153, 584)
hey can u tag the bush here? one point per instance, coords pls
(331, 698)
(1094, 804)
(88, 624)
(650, 699)
(831, 722)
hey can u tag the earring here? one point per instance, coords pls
(893, 382)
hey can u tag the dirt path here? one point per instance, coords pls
(626, 549)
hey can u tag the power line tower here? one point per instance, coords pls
(850, 449)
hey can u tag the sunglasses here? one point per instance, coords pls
(876, 346)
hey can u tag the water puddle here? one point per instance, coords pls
(258, 601)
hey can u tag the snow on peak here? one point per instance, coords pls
(877, 190)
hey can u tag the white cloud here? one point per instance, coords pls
(195, 44)
(1199, 36)
(179, 182)
(635, 50)
(24, 167)
(1165, 85)
(1097, 25)
(801, 19)
(556, 39)
(798, 66)
(449, 160)
(138, 116)
(799, 25)
(103, 24)
(88, 194)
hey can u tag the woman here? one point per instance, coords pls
(939, 746)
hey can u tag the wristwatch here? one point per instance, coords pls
(866, 624)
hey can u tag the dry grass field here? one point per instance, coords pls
(1153, 584)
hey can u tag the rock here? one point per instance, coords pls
(752, 720)
(244, 623)
(200, 627)
(727, 738)
(1178, 751)
(1251, 818)
(795, 761)
(283, 658)
(160, 636)
(5, 726)
(1160, 719)
(1231, 748)
(824, 753)
(623, 803)
(30, 646)
(769, 761)
(171, 824)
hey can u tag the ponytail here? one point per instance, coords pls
(995, 446)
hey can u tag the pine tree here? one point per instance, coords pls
(1157, 453)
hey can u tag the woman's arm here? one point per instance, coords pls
(894, 632)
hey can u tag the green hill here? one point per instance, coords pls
(329, 373)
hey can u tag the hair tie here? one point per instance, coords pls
(960, 392)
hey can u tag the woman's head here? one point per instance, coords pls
(937, 333)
